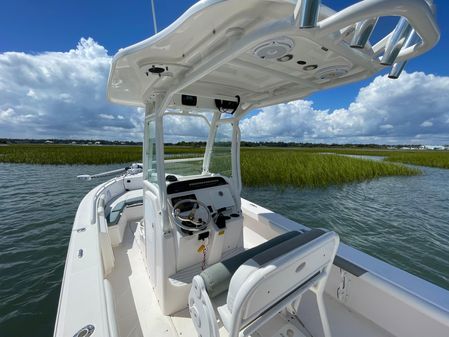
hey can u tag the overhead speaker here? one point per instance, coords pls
(331, 73)
(274, 49)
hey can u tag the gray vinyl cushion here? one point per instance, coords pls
(115, 213)
(287, 246)
(218, 276)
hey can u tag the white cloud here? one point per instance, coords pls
(4, 114)
(180, 128)
(62, 95)
(426, 124)
(414, 108)
(31, 93)
(386, 127)
(106, 116)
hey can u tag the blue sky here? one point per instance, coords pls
(34, 28)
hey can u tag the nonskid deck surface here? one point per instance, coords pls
(138, 312)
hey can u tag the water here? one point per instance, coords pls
(402, 220)
(37, 207)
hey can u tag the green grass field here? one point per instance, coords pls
(301, 167)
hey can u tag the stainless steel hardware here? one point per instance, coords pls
(87, 331)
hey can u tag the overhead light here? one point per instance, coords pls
(310, 67)
(285, 58)
(156, 69)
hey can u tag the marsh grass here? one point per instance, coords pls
(308, 169)
(69, 154)
(431, 158)
(82, 154)
(260, 166)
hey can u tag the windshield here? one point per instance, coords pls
(220, 161)
(185, 137)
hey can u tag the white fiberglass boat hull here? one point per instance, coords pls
(364, 296)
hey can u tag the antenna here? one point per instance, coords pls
(154, 16)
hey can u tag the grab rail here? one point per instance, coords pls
(183, 160)
(101, 189)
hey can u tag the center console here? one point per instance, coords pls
(224, 231)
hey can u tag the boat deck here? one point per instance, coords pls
(138, 313)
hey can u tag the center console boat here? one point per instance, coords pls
(171, 249)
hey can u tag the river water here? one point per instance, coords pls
(401, 220)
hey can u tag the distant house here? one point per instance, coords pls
(97, 143)
(434, 147)
(48, 142)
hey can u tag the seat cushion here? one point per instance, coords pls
(287, 246)
(116, 212)
(217, 277)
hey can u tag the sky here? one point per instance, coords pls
(55, 57)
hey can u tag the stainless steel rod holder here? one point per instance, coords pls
(362, 33)
(397, 68)
(397, 40)
(307, 13)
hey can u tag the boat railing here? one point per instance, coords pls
(107, 254)
(181, 160)
(107, 188)
(96, 200)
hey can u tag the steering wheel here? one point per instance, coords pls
(194, 216)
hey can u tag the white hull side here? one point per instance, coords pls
(364, 296)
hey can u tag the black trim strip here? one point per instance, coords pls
(195, 184)
(349, 266)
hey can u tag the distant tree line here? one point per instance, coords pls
(68, 141)
(203, 144)
(293, 144)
